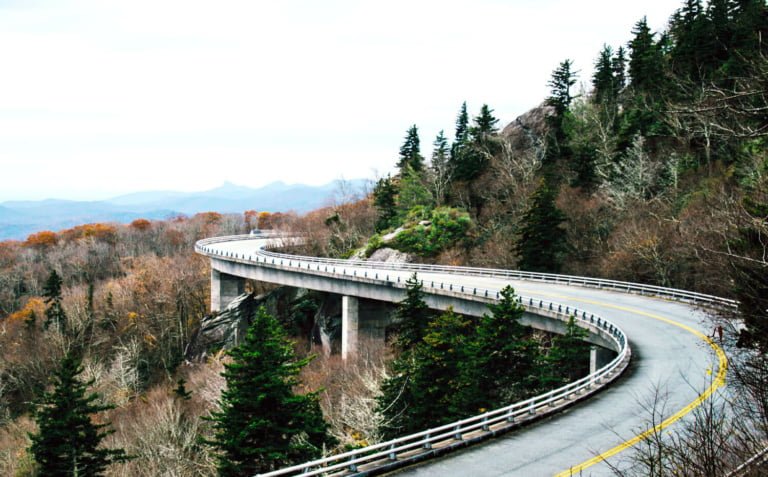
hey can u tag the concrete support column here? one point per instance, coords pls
(350, 326)
(592, 360)
(224, 289)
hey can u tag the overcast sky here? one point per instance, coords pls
(99, 98)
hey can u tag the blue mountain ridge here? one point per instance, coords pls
(18, 219)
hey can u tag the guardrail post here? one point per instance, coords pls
(510, 416)
(392, 455)
(457, 435)
(352, 467)
(532, 408)
(428, 444)
(485, 424)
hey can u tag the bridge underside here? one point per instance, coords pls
(228, 278)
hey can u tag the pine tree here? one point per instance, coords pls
(410, 152)
(181, 390)
(412, 315)
(384, 200)
(619, 65)
(603, 81)
(568, 359)
(427, 379)
(68, 442)
(54, 313)
(563, 78)
(461, 137)
(504, 355)
(646, 61)
(473, 145)
(262, 424)
(485, 124)
(542, 246)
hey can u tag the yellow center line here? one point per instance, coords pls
(716, 383)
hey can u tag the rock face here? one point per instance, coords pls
(222, 331)
(529, 130)
(226, 329)
(390, 255)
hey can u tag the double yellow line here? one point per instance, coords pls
(718, 381)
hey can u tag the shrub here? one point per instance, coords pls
(447, 226)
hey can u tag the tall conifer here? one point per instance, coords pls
(68, 442)
(262, 423)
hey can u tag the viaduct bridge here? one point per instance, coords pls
(670, 351)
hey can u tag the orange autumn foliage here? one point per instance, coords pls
(34, 305)
(141, 224)
(43, 239)
(98, 231)
(208, 218)
(249, 216)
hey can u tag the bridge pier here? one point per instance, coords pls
(224, 289)
(599, 357)
(350, 326)
(363, 325)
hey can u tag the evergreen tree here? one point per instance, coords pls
(461, 137)
(262, 424)
(413, 192)
(384, 200)
(568, 359)
(181, 390)
(428, 379)
(485, 124)
(54, 313)
(563, 78)
(541, 246)
(646, 61)
(410, 152)
(504, 355)
(473, 145)
(440, 168)
(689, 30)
(619, 64)
(603, 81)
(412, 315)
(68, 442)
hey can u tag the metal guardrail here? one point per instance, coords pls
(417, 445)
(753, 463)
(626, 287)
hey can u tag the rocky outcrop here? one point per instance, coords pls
(322, 325)
(529, 130)
(390, 255)
(222, 330)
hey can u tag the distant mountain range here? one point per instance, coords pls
(18, 219)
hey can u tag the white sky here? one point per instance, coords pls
(99, 98)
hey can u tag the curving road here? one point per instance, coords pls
(671, 353)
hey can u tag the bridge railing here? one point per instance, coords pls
(626, 287)
(408, 447)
